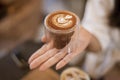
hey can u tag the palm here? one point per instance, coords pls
(48, 55)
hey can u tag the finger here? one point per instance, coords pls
(65, 60)
(44, 38)
(38, 61)
(68, 58)
(41, 51)
(53, 60)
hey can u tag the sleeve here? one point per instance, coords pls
(95, 21)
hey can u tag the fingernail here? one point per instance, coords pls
(29, 60)
(32, 65)
(58, 67)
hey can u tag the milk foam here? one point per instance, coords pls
(62, 20)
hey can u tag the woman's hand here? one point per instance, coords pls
(47, 56)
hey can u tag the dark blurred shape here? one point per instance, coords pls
(114, 17)
(3, 11)
(21, 23)
(14, 65)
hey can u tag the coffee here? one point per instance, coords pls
(61, 21)
(60, 26)
(74, 73)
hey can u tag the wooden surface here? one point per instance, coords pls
(37, 75)
(114, 74)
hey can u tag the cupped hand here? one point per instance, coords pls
(47, 56)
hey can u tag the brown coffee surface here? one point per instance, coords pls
(60, 26)
(61, 20)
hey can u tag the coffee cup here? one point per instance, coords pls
(60, 26)
(74, 73)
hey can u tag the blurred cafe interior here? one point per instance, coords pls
(22, 26)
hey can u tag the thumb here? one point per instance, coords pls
(44, 38)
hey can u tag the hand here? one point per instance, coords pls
(47, 56)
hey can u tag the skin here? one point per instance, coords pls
(47, 56)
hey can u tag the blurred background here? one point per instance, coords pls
(21, 27)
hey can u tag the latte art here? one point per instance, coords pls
(65, 19)
(62, 20)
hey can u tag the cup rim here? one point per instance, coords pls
(61, 31)
(75, 68)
